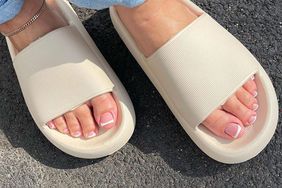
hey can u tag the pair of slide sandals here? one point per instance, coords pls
(195, 72)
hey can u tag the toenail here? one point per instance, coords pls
(253, 77)
(76, 134)
(233, 130)
(255, 94)
(252, 120)
(106, 119)
(91, 134)
(255, 107)
(66, 131)
(51, 125)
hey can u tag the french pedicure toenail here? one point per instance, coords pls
(255, 94)
(255, 107)
(91, 134)
(233, 130)
(253, 77)
(106, 119)
(76, 134)
(252, 120)
(51, 125)
(66, 131)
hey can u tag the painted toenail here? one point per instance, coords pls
(91, 134)
(233, 130)
(253, 77)
(76, 134)
(51, 125)
(66, 131)
(255, 107)
(255, 94)
(252, 120)
(106, 119)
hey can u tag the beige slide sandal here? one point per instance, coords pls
(196, 72)
(63, 70)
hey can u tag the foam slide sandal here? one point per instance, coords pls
(63, 70)
(196, 72)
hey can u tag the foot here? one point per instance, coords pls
(86, 120)
(147, 24)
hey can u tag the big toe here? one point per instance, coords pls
(224, 125)
(105, 110)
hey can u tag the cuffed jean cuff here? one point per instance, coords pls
(101, 4)
(9, 9)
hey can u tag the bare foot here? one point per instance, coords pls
(153, 24)
(86, 120)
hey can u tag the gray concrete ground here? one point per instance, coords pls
(159, 154)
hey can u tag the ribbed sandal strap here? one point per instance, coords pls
(201, 67)
(58, 73)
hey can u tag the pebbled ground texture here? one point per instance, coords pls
(159, 154)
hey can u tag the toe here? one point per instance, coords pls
(235, 107)
(105, 110)
(73, 124)
(86, 120)
(61, 124)
(251, 87)
(247, 99)
(51, 125)
(224, 125)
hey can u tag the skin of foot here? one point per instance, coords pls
(147, 23)
(86, 120)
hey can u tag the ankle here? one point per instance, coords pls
(48, 21)
(147, 22)
(28, 10)
(143, 12)
(154, 9)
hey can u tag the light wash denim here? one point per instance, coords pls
(100, 4)
(10, 8)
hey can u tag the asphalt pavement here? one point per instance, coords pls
(160, 154)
